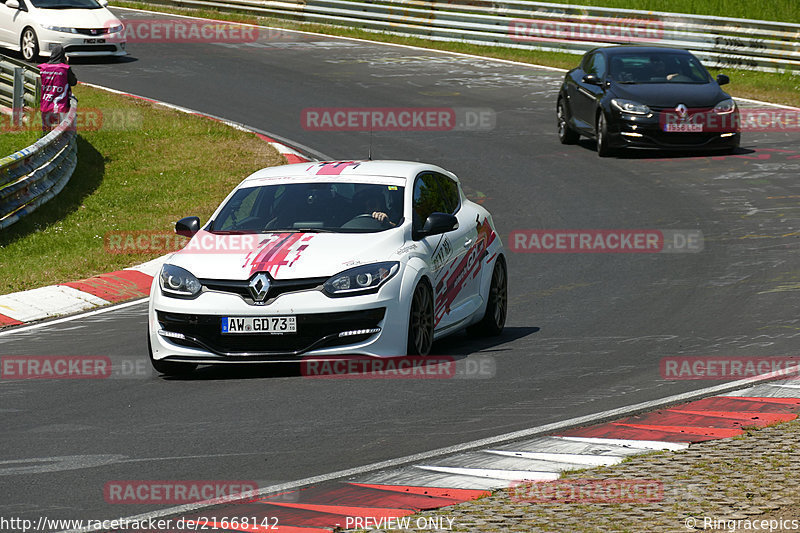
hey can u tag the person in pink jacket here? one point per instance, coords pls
(57, 81)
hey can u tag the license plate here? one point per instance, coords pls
(259, 324)
(683, 128)
(94, 41)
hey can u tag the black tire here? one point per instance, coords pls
(494, 320)
(169, 368)
(420, 320)
(603, 150)
(565, 133)
(29, 45)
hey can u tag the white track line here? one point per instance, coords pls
(70, 318)
(571, 458)
(492, 473)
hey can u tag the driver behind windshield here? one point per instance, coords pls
(658, 69)
(372, 202)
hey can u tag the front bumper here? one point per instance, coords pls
(648, 132)
(190, 330)
(82, 45)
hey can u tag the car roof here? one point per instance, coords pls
(406, 170)
(626, 49)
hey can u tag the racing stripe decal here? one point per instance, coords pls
(453, 281)
(334, 169)
(282, 249)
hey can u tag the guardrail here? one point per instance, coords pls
(37, 173)
(718, 41)
(20, 86)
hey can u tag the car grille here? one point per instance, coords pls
(314, 331)
(684, 138)
(90, 48)
(277, 287)
(92, 31)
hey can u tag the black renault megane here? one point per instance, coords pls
(648, 97)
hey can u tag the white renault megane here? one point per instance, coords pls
(374, 258)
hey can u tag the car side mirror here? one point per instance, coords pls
(103, 3)
(722, 79)
(187, 226)
(436, 224)
(12, 4)
(592, 79)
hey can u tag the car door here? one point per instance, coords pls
(444, 252)
(459, 288)
(584, 102)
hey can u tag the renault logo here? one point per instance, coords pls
(682, 111)
(259, 287)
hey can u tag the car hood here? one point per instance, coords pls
(77, 18)
(284, 255)
(671, 94)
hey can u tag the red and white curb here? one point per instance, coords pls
(381, 498)
(113, 287)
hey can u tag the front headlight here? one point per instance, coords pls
(61, 29)
(629, 106)
(179, 282)
(362, 279)
(725, 106)
(115, 29)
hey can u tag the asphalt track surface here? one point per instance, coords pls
(585, 332)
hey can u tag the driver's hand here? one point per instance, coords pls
(378, 215)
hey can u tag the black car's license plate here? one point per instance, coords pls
(683, 128)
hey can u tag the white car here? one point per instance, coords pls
(368, 258)
(82, 27)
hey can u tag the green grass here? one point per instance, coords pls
(142, 169)
(781, 88)
(14, 139)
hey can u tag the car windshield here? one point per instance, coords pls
(657, 67)
(66, 4)
(312, 207)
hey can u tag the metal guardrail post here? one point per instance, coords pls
(18, 96)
